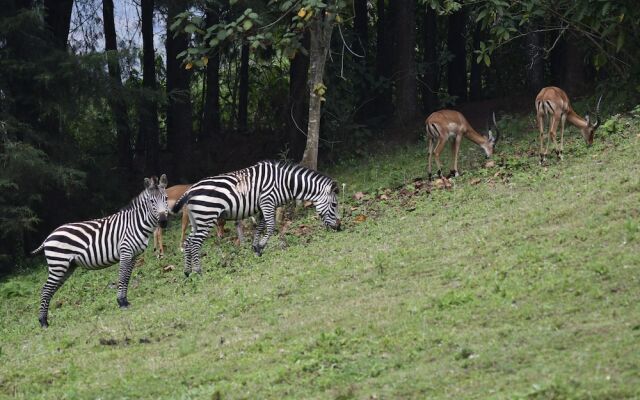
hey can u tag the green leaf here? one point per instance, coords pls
(190, 28)
(247, 24)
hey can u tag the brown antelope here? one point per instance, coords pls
(554, 103)
(443, 124)
(173, 194)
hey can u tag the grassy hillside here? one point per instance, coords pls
(519, 282)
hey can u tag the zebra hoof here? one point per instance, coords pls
(43, 322)
(123, 303)
(186, 273)
(258, 250)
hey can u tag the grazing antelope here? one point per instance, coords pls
(554, 103)
(173, 194)
(443, 124)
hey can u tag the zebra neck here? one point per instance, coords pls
(146, 220)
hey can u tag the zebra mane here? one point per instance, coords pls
(136, 202)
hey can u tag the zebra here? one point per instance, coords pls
(100, 243)
(260, 188)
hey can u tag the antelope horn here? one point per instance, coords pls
(495, 125)
(598, 112)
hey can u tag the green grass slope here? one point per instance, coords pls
(519, 282)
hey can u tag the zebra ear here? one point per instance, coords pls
(148, 183)
(163, 181)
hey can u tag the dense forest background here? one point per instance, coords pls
(202, 87)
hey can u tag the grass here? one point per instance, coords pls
(520, 282)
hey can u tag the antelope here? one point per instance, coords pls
(443, 124)
(173, 194)
(554, 103)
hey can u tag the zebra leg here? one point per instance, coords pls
(187, 253)
(195, 244)
(58, 274)
(255, 245)
(124, 274)
(269, 214)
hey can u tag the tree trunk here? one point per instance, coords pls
(535, 59)
(320, 28)
(58, 20)
(383, 55)
(406, 92)
(430, 82)
(475, 80)
(298, 98)
(243, 91)
(149, 135)
(360, 24)
(211, 113)
(457, 69)
(575, 77)
(116, 95)
(179, 129)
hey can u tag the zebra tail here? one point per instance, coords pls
(180, 203)
(38, 250)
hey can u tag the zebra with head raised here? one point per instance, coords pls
(102, 242)
(259, 188)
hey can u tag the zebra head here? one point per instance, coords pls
(157, 198)
(327, 205)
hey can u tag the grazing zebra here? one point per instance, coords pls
(102, 242)
(259, 188)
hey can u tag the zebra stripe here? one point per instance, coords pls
(260, 188)
(102, 242)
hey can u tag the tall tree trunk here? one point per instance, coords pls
(457, 69)
(430, 77)
(116, 95)
(406, 92)
(243, 91)
(320, 29)
(575, 77)
(557, 62)
(149, 134)
(383, 55)
(535, 59)
(211, 113)
(298, 98)
(58, 20)
(475, 80)
(179, 129)
(361, 24)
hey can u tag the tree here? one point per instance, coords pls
(243, 91)
(298, 99)
(58, 19)
(535, 56)
(149, 129)
(210, 129)
(383, 55)
(116, 95)
(406, 92)
(430, 82)
(457, 68)
(320, 30)
(179, 110)
(475, 77)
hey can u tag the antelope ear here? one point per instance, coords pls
(586, 117)
(491, 137)
(148, 183)
(163, 181)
